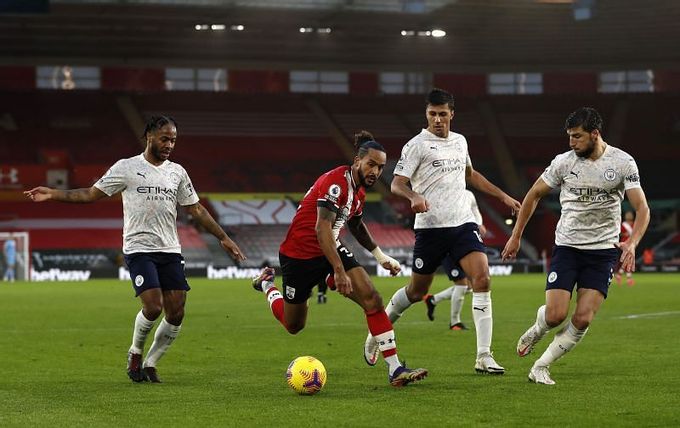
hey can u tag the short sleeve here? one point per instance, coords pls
(409, 161)
(552, 175)
(331, 192)
(115, 179)
(186, 194)
(631, 179)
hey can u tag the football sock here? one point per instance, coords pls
(482, 317)
(166, 333)
(381, 329)
(142, 328)
(398, 304)
(563, 342)
(266, 285)
(457, 298)
(442, 295)
(275, 299)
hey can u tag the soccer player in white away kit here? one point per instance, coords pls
(431, 174)
(456, 293)
(592, 178)
(152, 187)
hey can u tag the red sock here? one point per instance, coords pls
(275, 300)
(381, 329)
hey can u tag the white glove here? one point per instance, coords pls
(383, 258)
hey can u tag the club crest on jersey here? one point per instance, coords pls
(333, 193)
(552, 277)
(610, 175)
(290, 292)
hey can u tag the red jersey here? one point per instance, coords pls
(336, 191)
(626, 231)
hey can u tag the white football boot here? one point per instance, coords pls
(371, 350)
(540, 375)
(486, 364)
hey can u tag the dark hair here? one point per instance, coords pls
(363, 140)
(586, 117)
(438, 97)
(157, 122)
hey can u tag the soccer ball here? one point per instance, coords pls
(306, 375)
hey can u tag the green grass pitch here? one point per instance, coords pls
(63, 349)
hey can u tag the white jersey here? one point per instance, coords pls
(435, 167)
(150, 197)
(591, 193)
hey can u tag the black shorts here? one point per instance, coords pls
(156, 270)
(432, 245)
(588, 268)
(301, 275)
(452, 269)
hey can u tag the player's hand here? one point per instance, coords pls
(391, 265)
(482, 230)
(512, 203)
(39, 194)
(511, 249)
(234, 251)
(419, 204)
(343, 283)
(627, 255)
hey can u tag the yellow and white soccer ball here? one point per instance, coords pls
(306, 375)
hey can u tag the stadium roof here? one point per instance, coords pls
(481, 35)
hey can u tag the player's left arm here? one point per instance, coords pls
(479, 182)
(638, 200)
(360, 231)
(204, 218)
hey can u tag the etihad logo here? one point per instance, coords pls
(448, 165)
(592, 194)
(157, 193)
(156, 190)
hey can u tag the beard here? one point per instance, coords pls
(588, 150)
(362, 180)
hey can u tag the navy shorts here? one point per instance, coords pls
(156, 270)
(591, 269)
(433, 245)
(452, 269)
(301, 275)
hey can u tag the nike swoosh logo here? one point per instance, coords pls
(141, 175)
(479, 309)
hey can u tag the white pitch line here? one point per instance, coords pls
(649, 315)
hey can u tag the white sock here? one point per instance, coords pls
(142, 328)
(386, 342)
(266, 285)
(563, 342)
(442, 295)
(398, 304)
(541, 325)
(165, 335)
(457, 298)
(481, 315)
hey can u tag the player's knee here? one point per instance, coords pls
(372, 302)
(481, 282)
(176, 317)
(554, 316)
(152, 311)
(582, 320)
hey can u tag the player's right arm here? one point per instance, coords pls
(537, 191)
(324, 234)
(85, 195)
(401, 187)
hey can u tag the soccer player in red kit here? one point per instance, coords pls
(312, 252)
